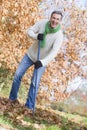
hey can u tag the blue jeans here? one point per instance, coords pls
(37, 74)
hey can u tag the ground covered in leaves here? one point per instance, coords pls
(42, 119)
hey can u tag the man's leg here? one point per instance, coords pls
(23, 66)
(30, 103)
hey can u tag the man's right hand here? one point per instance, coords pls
(40, 36)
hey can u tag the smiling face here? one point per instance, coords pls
(55, 20)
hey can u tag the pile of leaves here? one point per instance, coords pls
(16, 17)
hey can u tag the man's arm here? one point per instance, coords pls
(33, 30)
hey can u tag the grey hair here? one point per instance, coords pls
(57, 12)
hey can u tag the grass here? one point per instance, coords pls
(54, 127)
(27, 119)
(4, 121)
(8, 124)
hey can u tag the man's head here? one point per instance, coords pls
(55, 19)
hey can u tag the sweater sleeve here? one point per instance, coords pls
(54, 51)
(33, 30)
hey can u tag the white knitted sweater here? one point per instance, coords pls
(52, 46)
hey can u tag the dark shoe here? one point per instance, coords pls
(26, 110)
(14, 101)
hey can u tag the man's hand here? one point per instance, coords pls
(40, 36)
(38, 64)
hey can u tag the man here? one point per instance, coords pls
(50, 35)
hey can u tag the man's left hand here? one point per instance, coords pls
(38, 64)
